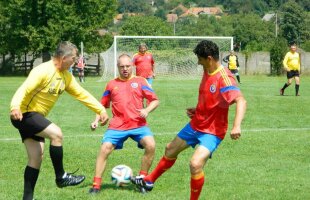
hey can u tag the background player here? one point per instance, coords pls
(126, 93)
(291, 65)
(208, 124)
(32, 102)
(233, 64)
(144, 62)
(80, 66)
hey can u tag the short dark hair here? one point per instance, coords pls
(207, 48)
(65, 48)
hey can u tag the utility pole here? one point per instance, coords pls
(276, 14)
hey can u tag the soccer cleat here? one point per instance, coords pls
(281, 92)
(93, 191)
(142, 185)
(69, 180)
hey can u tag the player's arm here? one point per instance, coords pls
(33, 81)
(285, 62)
(151, 106)
(239, 115)
(105, 101)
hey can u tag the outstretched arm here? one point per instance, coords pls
(239, 115)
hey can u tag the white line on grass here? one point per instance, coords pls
(174, 133)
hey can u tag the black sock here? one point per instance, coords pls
(238, 78)
(296, 89)
(56, 154)
(30, 179)
(285, 86)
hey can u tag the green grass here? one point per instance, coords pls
(270, 161)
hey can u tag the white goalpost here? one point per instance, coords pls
(173, 55)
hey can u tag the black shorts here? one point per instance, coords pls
(292, 74)
(31, 124)
(234, 71)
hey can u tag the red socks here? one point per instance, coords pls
(163, 165)
(97, 183)
(197, 182)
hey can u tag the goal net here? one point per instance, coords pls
(173, 55)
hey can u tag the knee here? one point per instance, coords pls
(57, 136)
(169, 150)
(195, 166)
(150, 147)
(106, 149)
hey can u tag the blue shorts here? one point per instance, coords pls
(150, 80)
(193, 138)
(118, 138)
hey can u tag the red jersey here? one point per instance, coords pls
(127, 96)
(217, 91)
(144, 64)
(81, 63)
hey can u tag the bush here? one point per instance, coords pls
(277, 53)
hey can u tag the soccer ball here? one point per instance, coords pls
(121, 175)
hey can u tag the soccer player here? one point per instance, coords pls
(144, 62)
(291, 65)
(126, 93)
(81, 65)
(233, 64)
(32, 102)
(208, 124)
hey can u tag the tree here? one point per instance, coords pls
(38, 25)
(145, 25)
(293, 23)
(136, 6)
(277, 53)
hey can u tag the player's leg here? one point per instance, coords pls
(148, 144)
(197, 162)
(112, 139)
(82, 75)
(208, 143)
(63, 179)
(35, 151)
(237, 75)
(288, 83)
(297, 82)
(104, 152)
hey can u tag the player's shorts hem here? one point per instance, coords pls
(31, 124)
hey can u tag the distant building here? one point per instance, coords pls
(119, 17)
(196, 11)
(268, 17)
(172, 18)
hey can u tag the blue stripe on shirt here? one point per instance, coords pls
(144, 87)
(106, 93)
(228, 88)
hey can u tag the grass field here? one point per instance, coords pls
(270, 161)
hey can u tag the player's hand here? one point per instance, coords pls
(235, 133)
(93, 125)
(104, 118)
(190, 112)
(16, 114)
(143, 113)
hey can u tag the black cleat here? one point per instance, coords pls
(142, 185)
(69, 180)
(281, 92)
(93, 191)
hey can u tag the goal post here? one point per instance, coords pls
(173, 55)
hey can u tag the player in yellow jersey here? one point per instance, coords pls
(233, 64)
(291, 65)
(32, 102)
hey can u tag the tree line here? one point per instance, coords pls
(38, 25)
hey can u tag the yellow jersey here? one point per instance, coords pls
(44, 85)
(292, 61)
